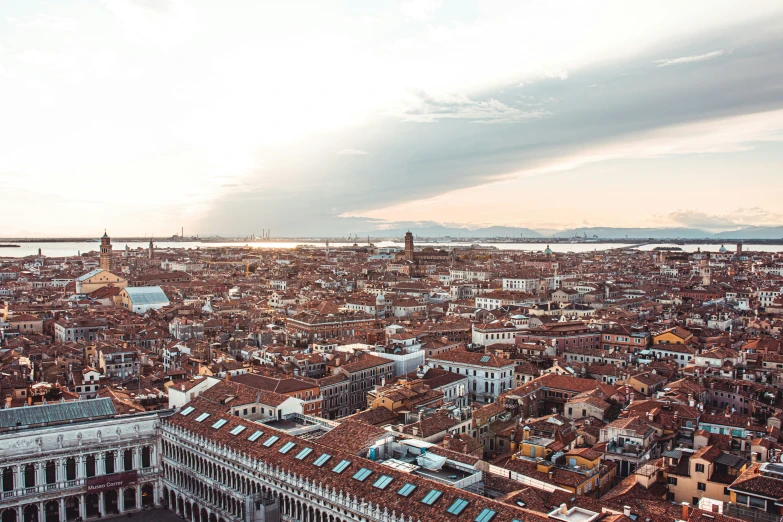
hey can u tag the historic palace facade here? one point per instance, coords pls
(78, 459)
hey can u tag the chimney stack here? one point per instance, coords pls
(627, 511)
(686, 509)
(564, 509)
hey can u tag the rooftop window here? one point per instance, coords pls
(406, 490)
(219, 423)
(302, 454)
(458, 506)
(288, 446)
(271, 440)
(255, 436)
(382, 482)
(320, 461)
(237, 430)
(431, 497)
(186, 411)
(339, 468)
(485, 516)
(362, 474)
(202, 417)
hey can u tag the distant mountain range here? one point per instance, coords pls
(441, 231)
(673, 233)
(432, 231)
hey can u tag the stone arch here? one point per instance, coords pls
(127, 460)
(111, 502)
(8, 515)
(92, 504)
(30, 513)
(52, 511)
(72, 510)
(129, 498)
(147, 495)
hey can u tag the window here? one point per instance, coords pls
(202, 417)
(431, 497)
(406, 490)
(186, 411)
(362, 474)
(271, 440)
(237, 430)
(457, 507)
(673, 481)
(699, 468)
(339, 468)
(218, 424)
(304, 453)
(701, 486)
(485, 516)
(320, 461)
(758, 503)
(382, 482)
(288, 446)
(255, 436)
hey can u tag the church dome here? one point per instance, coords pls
(548, 250)
(722, 249)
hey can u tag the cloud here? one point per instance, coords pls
(156, 23)
(48, 60)
(352, 152)
(422, 108)
(44, 21)
(689, 59)
(739, 217)
(420, 10)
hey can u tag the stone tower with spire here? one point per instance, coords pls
(105, 263)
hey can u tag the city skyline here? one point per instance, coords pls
(343, 117)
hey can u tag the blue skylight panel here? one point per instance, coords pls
(431, 497)
(382, 482)
(302, 454)
(202, 417)
(457, 507)
(485, 516)
(339, 468)
(255, 436)
(406, 490)
(237, 430)
(288, 446)
(271, 440)
(320, 461)
(219, 423)
(362, 474)
(187, 411)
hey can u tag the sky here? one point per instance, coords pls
(334, 117)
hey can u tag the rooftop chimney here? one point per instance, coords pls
(627, 511)
(563, 509)
(686, 508)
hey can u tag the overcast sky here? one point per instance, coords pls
(330, 117)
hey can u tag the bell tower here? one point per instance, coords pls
(105, 263)
(409, 246)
